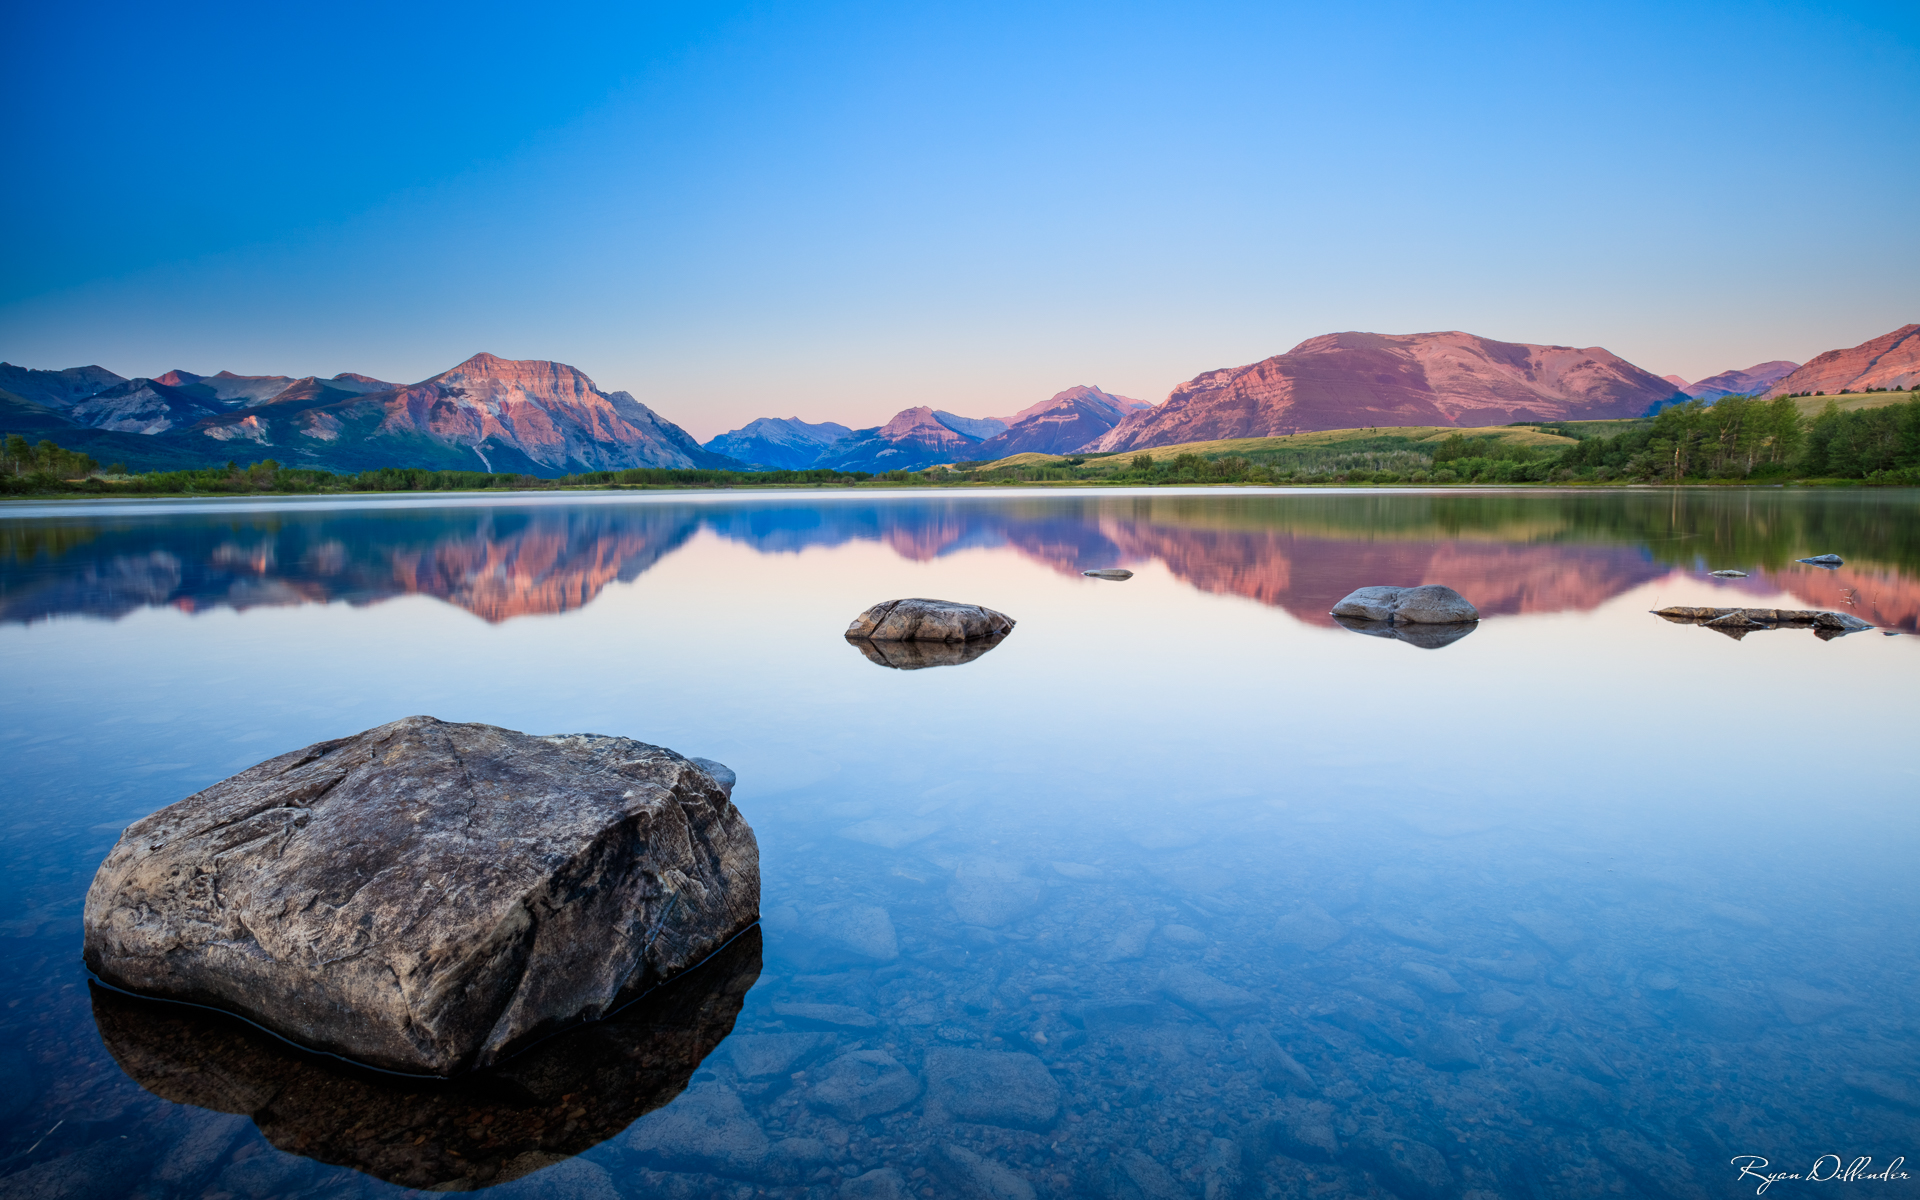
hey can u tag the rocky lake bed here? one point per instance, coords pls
(1182, 892)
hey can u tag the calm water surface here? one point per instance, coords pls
(1581, 904)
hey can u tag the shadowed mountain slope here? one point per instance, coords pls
(1751, 382)
(782, 443)
(1062, 424)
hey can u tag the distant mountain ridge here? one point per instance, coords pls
(1890, 361)
(1351, 380)
(487, 413)
(1753, 381)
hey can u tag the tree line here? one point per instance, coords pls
(1735, 438)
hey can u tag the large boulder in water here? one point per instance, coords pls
(428, 897)
(1429, 604)
(918, 620)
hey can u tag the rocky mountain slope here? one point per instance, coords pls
(1891, 361)
(1350, 380)
(1753, 381)
(782, 443)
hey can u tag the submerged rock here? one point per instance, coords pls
(1428, 604)
(558, 1099)
(991, 1087)
(1114, 573)
(428, 897)
(862, 1084)
(920, 620)
(1738, 622)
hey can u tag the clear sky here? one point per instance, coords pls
(837, 210)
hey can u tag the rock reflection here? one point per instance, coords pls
(1427, 637)
(557, 1100)
(912, 656)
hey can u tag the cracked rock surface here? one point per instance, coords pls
(428, 897)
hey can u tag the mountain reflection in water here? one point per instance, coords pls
(554, 1101)
(1508, 553)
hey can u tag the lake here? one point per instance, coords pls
(1181, 890)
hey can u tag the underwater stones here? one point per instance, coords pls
(977, 1178)
(833, 1016)
(1428, 604)
(1552, 930)
(883, 1183)
(1412, 934)
(1431, 978)
(1522, 968)
(1566, 1099)
(1496, 1002)
(1224, 1170)
(1113, 573)
(1413, 1169)
(1130, 942)
(1445, 1048)
(1806, 1005)
(1204, 994)
(841, 935)
(707, 1129)
(992, 893)
(920, 620)
(991, 1087)
(1309, 927)
(1133, 1175)
(862, 1084)
(1885, 1089)
(375, 896)
(1279, 1071)
(1302, 1130)
(1388, 991)
(768, 1055)
(1185, 936)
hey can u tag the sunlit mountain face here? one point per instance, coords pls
(1299, 552)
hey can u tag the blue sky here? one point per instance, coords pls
(839, 210)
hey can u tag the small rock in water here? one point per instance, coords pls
(1184, 935)
(977, 1178)
(864, 1084)
(1130, 942)
(991, 1087)
(883, 1183)
(1432, 978)
(766, 1055)
(1109, 573)
(1428, 604)
(1728, 574)
(376, 896)
(1203, 993)
(1823, 560)
(706, 1129)
(1310, 928)
(920, 620)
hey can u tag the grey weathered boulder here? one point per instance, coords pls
(919, 620)
(1114, 573)
(1823, 560)
(862, 1084)
(428, 897)
(1728, 574)
(1428, 604)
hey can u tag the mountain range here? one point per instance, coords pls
(546, 418)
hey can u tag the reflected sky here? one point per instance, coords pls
(1685, 857)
